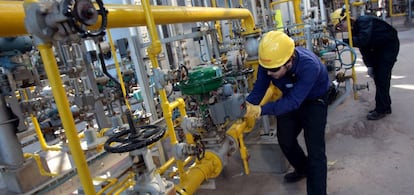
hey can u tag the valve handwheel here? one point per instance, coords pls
(82, 13)
(127, 140)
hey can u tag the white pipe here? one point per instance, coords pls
(305, 4)
(254, 11)
(263, 14)
(323, 12)
(315, 12)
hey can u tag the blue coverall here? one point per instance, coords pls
(302, 106)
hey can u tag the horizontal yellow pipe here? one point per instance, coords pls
(12, 19)
(359, 3)
(12, 16)
(208, 167)
(278, 2)
(133, 15)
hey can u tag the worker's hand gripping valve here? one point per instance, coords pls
(252, 111)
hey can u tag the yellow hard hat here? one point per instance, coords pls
(275, 49)
(337, 16)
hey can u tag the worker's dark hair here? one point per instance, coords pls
(343, 11)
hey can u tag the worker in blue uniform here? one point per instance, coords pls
(304, 83)
(379, 46)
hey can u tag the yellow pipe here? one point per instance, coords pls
(208, 167)
(278, 2)
(167, 110)
(65, 114)
(127, 185)
(120, 16)
(186, 162)
(39, 164)
(298, 12)
(165, 166)
(12, 19)
(170, 127)
(351, 44)
(41, 138)
(153, 50)
(180, 104)
(254, 64)
(170, 162)
(38, 131)
(118, 69)
(111, 181)
(103, 131)
(236, 131)
(392, 13)
(278, 17)
(217, 24)
(130, 176)
(358, 3)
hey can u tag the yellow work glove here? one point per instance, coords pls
(272, 94)
(252, 111)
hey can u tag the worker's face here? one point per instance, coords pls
(342, 26)
(281, 71)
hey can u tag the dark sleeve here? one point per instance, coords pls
(306, 78)
(362, 32)
(366, 57)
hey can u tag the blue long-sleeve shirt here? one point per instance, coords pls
(306, 80)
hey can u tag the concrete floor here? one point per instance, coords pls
(364, 157)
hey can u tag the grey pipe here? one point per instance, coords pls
(341, 99)
(11, 153)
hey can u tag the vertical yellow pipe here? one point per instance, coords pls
(118, 69)
(351, 44)
(153, 50)
(391, 11)
(255, 66)
(298, 12)
(217, 24)
(65, 114)
(236, 131)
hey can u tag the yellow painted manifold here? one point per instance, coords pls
(119, 16)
